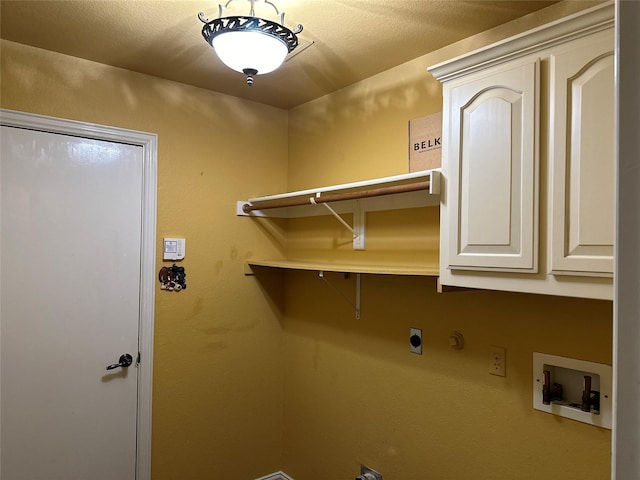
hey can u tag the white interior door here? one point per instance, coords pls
(70, 285)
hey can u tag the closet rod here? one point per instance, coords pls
(336, 197)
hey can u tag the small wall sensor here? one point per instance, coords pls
(174, 248)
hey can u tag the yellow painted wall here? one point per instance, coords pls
(353, 392)
(217, 400)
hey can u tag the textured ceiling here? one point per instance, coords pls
(343, 41)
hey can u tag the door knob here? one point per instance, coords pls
(124, 361)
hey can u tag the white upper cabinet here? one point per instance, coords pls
(528, 161)
(492, 120)
(582, 157)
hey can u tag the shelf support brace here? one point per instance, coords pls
(358, 229)
(359, 225)
(356, 306)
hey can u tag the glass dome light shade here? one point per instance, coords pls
(250, 49)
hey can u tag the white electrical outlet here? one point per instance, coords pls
(497, 361)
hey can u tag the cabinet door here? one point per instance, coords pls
(582, 157)
(491, 162)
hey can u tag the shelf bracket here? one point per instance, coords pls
(356, 306)
(359, 220)
(359, 223)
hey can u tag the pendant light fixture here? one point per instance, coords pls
(250, 44)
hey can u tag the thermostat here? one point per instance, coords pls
(174, 248)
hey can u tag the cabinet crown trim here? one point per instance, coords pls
(577, 25)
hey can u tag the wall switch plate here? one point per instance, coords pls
(415, 341)
(173, 248)
(497, 361)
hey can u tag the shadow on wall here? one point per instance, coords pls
(391, 305)
(355, 394)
